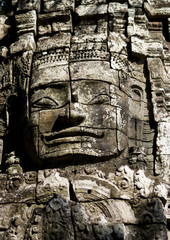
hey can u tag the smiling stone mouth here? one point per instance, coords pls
(70, 135)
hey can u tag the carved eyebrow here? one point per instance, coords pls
(99, 95)
(42, 85)
(48, 98)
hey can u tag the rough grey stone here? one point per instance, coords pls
(85, 120)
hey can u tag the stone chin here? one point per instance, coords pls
(71, 146)
(69, 157)
(76, 149)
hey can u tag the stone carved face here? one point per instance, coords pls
(73, 115)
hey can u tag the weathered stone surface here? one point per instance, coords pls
(134, 3)
(3, 51)
(18, 188)
(98, 70)
(4, 26)
(137, 24)
(146, 47)
(157, 9)
(22, 63)
(50, 183)
(8, 212)
(91, 10)
(117, 17)
(117, 43)
(151, 231)
(84, 120)
(26, 22)
(57, 22)
(29, 5)
(115, 208)
(51, 5)
(61, 40)
(25, 42)
(167, 208)
(159, 84)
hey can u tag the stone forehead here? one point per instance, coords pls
(92, 70)
(49, 73)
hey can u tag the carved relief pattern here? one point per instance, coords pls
(85, 120)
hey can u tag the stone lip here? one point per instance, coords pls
(69, 135)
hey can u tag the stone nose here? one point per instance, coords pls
(70, 117)
(77, 116)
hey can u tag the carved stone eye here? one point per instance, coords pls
(45, 103)
(136, 93)
(100, 99)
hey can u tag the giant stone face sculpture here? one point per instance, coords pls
(84, 123)
(71, 111)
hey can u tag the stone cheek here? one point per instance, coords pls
(84, 120)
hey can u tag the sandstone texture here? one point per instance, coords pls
(85, 120)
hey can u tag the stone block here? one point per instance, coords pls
(141, 47)
(61, 40)
(122, 140)
(54, 22)
(90, 47)
(115, 213)
(99, 120)
(158, 10)
(8, 211)
(91, 10)
(42, 72)
(95, 186)
(3, 51)
(26, 42)
(104, 146)
(134, 3)
(117, 7)
(162, 166)
(91, 189)
(94, 70)
(26, 22)
(137, 24)
(52, 5)
(19, 188)
(167, 209)
(153, 230)
(90, 92)
(50, 117)
(121, 120)
(163, 139)
(51, 182)
(4, 26)
(29, 5)
(44, 29)
(117, 43)
(120, 207)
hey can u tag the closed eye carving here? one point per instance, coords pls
(100, 99)
(45, 103)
